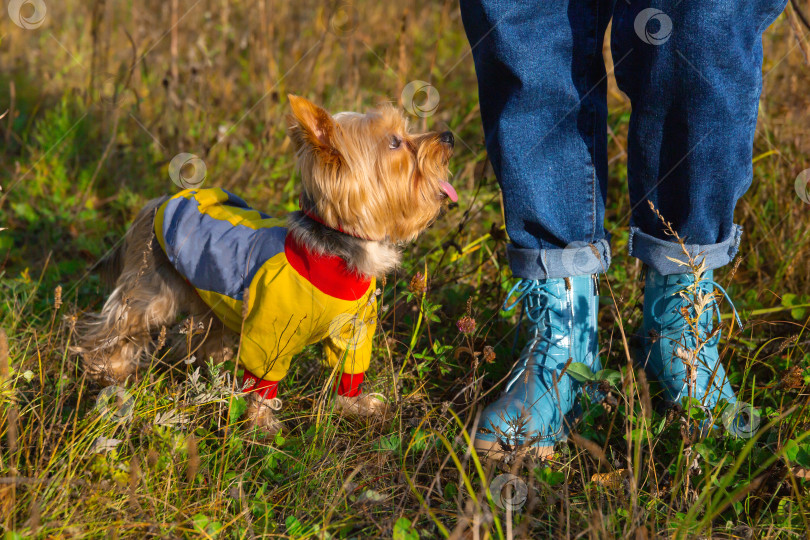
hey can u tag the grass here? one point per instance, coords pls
(102, 97)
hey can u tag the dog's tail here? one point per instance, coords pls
(110, 265)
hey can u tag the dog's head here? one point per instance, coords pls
(367, 174)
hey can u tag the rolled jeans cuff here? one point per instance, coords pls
(578, 258)
(658, 254)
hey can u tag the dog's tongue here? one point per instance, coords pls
(447, 188)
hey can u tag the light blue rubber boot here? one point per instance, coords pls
(528, 416)
(674, 355)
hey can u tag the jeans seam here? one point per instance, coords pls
(630, 240)
(734, 245)
(593, 133)
(769, 20)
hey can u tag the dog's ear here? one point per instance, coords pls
(312, 126)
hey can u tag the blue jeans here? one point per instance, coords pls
(693, 72)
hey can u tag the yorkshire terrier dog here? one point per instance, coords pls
(267, 287)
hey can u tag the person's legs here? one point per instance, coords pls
(542, 88)
(693, 72)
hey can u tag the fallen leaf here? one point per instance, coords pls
(610, 480)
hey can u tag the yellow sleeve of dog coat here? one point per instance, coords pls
(279, 320)
(351, 335)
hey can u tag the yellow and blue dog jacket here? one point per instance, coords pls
(232, 255)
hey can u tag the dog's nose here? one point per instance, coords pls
(447, 138)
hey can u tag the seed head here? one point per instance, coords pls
(57, 297)
(793, 378)
(162, 338)
(466, 325)
(418, 284)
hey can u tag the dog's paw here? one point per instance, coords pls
(260, 414)
(108, 369)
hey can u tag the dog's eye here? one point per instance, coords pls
(395, 142)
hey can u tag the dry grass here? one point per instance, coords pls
(105, 94)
